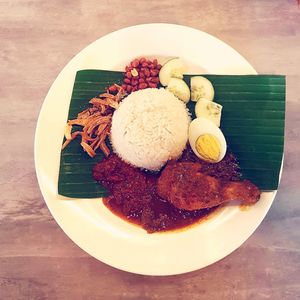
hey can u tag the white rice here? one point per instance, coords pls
(149, 128)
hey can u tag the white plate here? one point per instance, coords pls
(88, 222)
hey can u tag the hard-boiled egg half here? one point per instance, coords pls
(207, 140)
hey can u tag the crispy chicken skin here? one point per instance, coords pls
(186, 187)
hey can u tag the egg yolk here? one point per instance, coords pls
(208, 147)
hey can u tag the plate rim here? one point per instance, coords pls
(39, 176)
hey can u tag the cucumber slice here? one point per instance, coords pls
(172, 68)
(210, 110)
(201, 88)
(179, 88)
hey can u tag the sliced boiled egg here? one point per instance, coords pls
(207, 140)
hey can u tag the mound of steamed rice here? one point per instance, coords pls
(149, 128)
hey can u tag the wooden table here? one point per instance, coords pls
(37, 260)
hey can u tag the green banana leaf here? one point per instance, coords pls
(252, 121)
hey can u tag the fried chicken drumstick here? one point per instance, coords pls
(186, 187)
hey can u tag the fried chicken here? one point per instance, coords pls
(186, 187)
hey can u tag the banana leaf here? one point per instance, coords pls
(253, 118)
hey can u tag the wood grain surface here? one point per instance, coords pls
(37, 260)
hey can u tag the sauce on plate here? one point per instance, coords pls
(133, 195)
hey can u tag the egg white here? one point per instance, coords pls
(201, 126)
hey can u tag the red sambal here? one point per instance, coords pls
(133, 195)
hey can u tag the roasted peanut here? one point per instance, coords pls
(140, 74)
